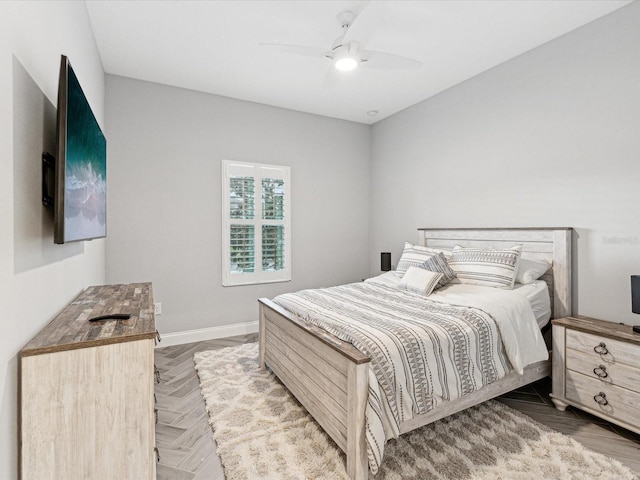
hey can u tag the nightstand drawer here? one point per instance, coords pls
(604, 369)
(602, 348)
(606, 400)
(596, 367)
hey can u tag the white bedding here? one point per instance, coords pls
(536, 293)
(511, 309)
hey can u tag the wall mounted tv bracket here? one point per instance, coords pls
(48, 179)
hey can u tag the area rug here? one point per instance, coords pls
(262, 432)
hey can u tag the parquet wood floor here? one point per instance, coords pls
(187, 449)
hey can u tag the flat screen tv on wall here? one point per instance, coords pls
(80, 192)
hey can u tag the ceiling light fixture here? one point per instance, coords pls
(346, 63)
(345, 57)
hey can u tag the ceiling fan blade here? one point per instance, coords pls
(366, 22)
(382, 60)
(296, 49)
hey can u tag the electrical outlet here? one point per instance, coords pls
(157, 308)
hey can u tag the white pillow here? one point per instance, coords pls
(416, 255)
(419, 280)
(531, 270)
(489, 268)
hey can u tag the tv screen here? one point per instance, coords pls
(80, 203)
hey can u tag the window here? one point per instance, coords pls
(256, 216)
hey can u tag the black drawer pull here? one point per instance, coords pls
(158, 339)
(601, 399)
(601, 371)
(601, 349)
(155, 449)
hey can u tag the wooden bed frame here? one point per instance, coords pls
(329, 377)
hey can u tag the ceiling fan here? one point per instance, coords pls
(345, 53)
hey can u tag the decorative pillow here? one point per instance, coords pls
(531, 270)
(415, 256)
(419, 280)
(438, 263)
(490, 268)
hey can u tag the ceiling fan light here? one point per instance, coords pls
(346, 64)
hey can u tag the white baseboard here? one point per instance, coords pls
(179, 338)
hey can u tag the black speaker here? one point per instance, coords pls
(385, 263)
(635, 293)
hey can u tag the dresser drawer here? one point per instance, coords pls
(619, 403)
(604, 368)
(604, 349)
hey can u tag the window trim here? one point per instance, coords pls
(258, 171)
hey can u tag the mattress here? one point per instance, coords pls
(538, 295)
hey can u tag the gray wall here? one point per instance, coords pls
(550, 138)
(165, 150)
(37, 278)
(547, 139)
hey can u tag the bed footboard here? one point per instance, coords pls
(327, 376)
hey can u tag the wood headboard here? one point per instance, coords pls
(552, 244)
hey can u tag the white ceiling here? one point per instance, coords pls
(213, 46)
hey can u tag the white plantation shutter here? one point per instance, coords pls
(242, 194)
(273, 248)
(256, 223)
(242, 248)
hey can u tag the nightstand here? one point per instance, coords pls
(596, 367)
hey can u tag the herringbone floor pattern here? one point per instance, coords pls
(187, 450)
(183, 435)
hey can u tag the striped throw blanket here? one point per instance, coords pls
(422, 351)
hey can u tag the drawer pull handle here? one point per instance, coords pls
(601, 371)
(601, 349)
(601, 399)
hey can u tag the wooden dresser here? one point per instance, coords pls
(86, 390)
(596, 367)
